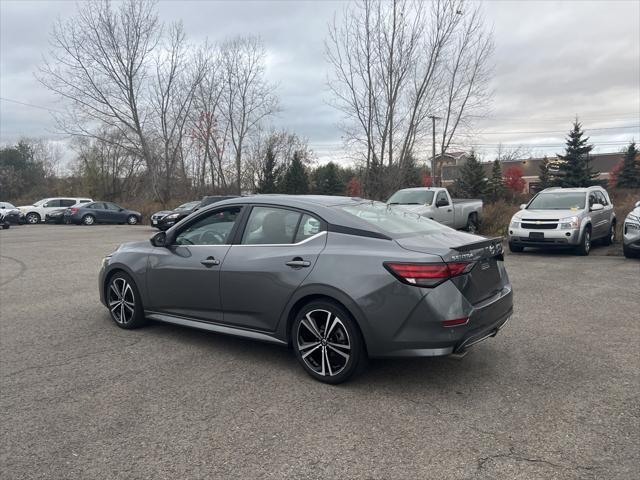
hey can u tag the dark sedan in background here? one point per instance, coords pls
(10, 213)
(165, 219)
(101, 212)
(338, 279)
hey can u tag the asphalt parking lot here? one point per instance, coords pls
(555, 395)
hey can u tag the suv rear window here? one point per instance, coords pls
(393, 221)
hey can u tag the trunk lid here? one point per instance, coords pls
(487, 276)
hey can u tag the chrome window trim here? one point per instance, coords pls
(280, 244)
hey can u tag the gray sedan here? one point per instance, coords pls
(337, 279)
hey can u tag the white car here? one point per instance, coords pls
(36, 213)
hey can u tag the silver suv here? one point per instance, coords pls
(563, 217)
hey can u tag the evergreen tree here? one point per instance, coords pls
(270, 173)
(574, 168)
(544, 174)
(629, 174)
(327, 180)
(495, 186)
(296, 181)
(472, 181)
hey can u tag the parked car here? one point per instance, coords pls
(437, 204)
(337, 278)
(4, 222)
(185, 208)
(564, 217)
(10, 213)
(101, 212)
(173, 217)
(631, 232)
(56, 216)
(37, 212)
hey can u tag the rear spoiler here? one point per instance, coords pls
(480, 244)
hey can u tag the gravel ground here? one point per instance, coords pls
(555, 395)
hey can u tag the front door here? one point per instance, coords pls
(184, 278)
(114, 214)
(278, 250)
(443, 211)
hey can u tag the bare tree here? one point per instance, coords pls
(391, 63)
(248, 98)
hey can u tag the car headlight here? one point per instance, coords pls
(633, 218)
(515, 223)
(570, 223)
(173, 216)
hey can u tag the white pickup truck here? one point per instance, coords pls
(437, 204)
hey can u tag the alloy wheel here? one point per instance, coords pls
(33, 218)
(121, 301)
(323, 342)
(88, 220)
(132, 220)
(587, 241)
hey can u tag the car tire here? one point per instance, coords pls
(132, 220)
(88, 220)
(6, 226)
(328, 342)
(611, 236)
(472, 223)
(32, 218)
(585, 243)
(630, 253)
(513, 248)
(124, 301)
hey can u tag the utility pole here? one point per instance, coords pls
(433, 149)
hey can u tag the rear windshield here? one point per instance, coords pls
(558, 201)
(411, 197)
(393, 221)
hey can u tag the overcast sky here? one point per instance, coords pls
(553, 61)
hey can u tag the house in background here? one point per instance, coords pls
(600, 162)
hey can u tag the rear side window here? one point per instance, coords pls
(67, 203)
(309, 226)
(271, 226)
(96, 206)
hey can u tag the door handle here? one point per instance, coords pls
(298, 263)
(210, 262)
(449, 210)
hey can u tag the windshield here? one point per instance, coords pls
(40, 202)
(393, 221)
(411, 197)
(558, 201)
(188, 205)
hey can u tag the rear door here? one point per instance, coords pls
(277, 251)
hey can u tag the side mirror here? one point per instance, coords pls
(523, 206)
(121, 209)
(159, 239)
(596, 206)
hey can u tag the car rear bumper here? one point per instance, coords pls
(423, 334)
(544, 238)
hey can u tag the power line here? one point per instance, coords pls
(11, 100)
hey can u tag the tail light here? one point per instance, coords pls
(73, 211)
(427, 274)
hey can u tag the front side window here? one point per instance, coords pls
(601, 199)
(112, 206)
(557, 201)
(441, 199)
(394, 222)
(271, 226)
(592, 200)
(212, 229)
(52, 203)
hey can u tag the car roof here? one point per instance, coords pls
(319, 205)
